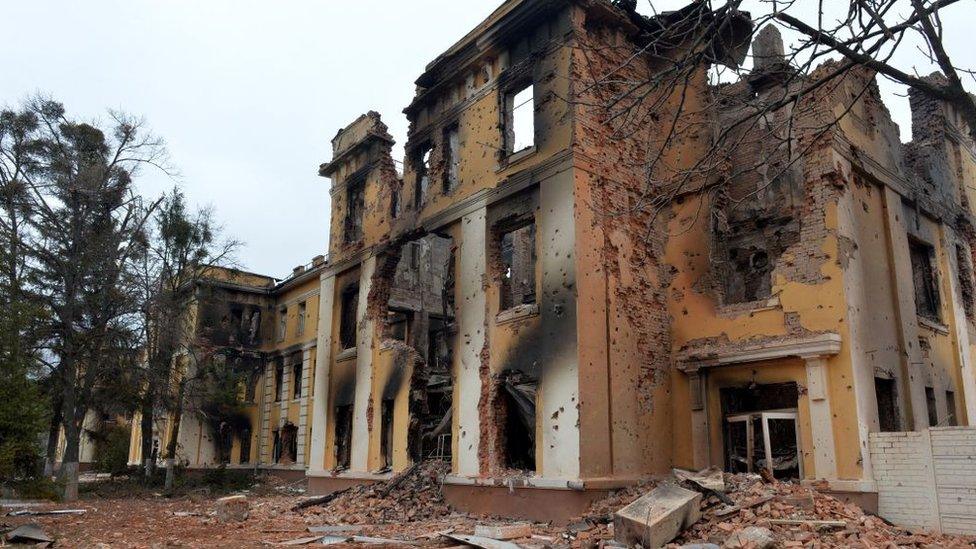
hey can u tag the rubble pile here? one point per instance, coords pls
(414, 496)
(618, 499)
(798, 516)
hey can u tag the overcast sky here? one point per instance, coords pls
(248, 94)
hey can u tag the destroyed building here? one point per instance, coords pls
(264, 331)
(510, 304)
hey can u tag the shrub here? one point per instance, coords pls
(112, 450)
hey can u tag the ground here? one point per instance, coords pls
(411, 511)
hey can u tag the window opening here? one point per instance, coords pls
(884, 390)
(520, 119)
(930, 405)
(518, 263)
(452, 158)
(343, 436)
(348, 320)
(923, 275)
(386, 435)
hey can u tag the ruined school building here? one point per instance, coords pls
(508, 306)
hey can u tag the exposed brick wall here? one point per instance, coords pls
(927, 479)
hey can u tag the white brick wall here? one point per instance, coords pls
(927, 479)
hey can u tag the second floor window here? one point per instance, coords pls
(355, 205)
(452, 158)
(923, 276)
(280, 382)
(421, 163)
(282, 323)
(520, 119)
(297, 377)
(347, 319)
(302, 310)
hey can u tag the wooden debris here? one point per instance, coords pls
(810, 522)
(483, 543)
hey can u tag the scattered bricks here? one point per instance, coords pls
(507, 532)
(752, 537)
(232, 509)
(658, 517)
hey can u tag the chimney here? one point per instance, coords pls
(767, 49)
(318, 261)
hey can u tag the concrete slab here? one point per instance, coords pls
(503, 532)
(658, 517)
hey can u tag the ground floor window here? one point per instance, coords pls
(245, 456)
(887, 396)
(386, 435)
(276, 446)
(516, 409)
(343, 436)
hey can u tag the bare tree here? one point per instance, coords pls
(684, 72)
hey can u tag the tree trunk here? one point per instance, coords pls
(68, 475)
(52, 438)
(147, 436)
(174, 437)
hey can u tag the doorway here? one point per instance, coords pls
(761, 430)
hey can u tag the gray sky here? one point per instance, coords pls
(248, 94)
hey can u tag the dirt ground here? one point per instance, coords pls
(191, 522)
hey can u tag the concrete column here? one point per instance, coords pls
(559, 389)
(700, 447)
(901, 268)
(364, 371)
(960, 328)
(264, 439)
(471, 312)
(821, 421)
(303, 406)
(323, 366)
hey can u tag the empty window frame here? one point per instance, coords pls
(951, 419)
(282, 323)
(279, 382)
(396, 203)
(421, 164)
(520, 118)
(887, 397)
(250, 391)
(245, 455)
(276, 446)
(348, 317)
(923, 275)
(296, 376)
(519, 395)
(355, 206)
(302, 311)
(386, 435)
(399, 323)
(931, 407)
(343, 436)
(518, 259)
(452, 158)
